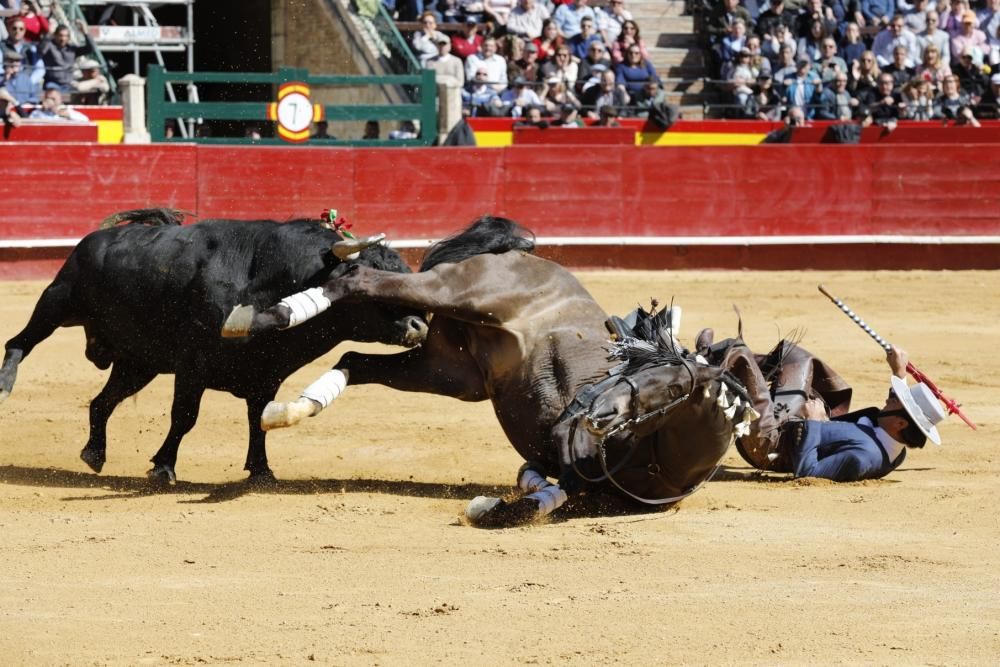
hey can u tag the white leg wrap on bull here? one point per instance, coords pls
(305, 305)
(327, 388)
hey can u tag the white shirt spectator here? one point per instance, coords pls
(887, 40)
(526, 19)
(494, 63)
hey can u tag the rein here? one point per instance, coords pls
(638, 419)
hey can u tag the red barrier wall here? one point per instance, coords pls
(63, 191)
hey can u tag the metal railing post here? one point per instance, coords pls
(428, 107)
(156, 118)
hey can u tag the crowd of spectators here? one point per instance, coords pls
(42, 68)
(872, 61)
(554, 61)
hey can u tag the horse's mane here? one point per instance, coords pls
(650, 341)
(155, 217)
(488, 234)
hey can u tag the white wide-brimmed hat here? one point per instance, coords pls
(922, 405)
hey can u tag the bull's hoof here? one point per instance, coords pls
(262, 479)
(162, 474)
(485, 512)
(94, 458)
(3, 395)
(283, 415)
(239, 322)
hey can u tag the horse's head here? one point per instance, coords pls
(658, 431)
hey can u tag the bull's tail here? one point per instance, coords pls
(155, 217)
(486, 235)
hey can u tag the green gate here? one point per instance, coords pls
(159, 110)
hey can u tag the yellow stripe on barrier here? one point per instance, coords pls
(109, 131)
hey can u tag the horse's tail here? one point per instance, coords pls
(486, 235)
(155, 217)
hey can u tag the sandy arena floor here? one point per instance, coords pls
(358, 556)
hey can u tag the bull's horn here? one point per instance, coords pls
(348, 247)
(239, 322)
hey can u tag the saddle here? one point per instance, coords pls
(779, 385)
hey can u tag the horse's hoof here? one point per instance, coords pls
(162, 474)
(239, 322)
(485, 512)
(94, 458)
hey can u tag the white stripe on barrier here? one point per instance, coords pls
(651, 241)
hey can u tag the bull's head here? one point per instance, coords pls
(351, 247)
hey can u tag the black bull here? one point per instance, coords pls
(523, 333)
(152, 296)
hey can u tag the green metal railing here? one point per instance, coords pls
(399, 57)
(160, 110)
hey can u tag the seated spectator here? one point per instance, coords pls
(877, 12)
(994, 36)
(939, 38)
(784, 69)
(952, 22)
(766, 103)
(446, 65)
(773, 45)
(731, 43)
(811, 46)
(611, 20)
(864, 73)
(721, 19)
(562, 68)
(526, 20)
(59, 57)
(651, 94)
(803, 90)
(468, 41)
(635, 70)
(593, 79)
(596, 55)
(479, 98)
(322, 131)
(579, 44)
(915, 18)
(532, 118)
(739, 68)
(557, 95)
(372, 131)
(53, 109)
(830, 64)
(528, 65)
(758, 63)
(425, 40)
(932, 68)
(511, 48)
(498, 10)
(607, 116)
(496, 66)
(549, 41)
(519, 97)
(898, 69)
(19, 84)
(776, 13)
(31, 59)
(836, 102)
(989, 105)
(971, 78)
(815, 11)
(988, 15)
(569, 14)
(628, 36)
(952, 100)
(741, 101)
(605, 93)
(448, 9)
(92, 87)
(569, 116)
(970, 39)
(36, 24)
(917, 100)
(895, 34)
(407, 130)
(881, 105)
(852, 45)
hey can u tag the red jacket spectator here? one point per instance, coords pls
(467, 42)
(36, 25)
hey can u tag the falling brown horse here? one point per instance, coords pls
(522, 332)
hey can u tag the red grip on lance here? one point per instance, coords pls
(953, 407)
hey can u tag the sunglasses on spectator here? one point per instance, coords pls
(17, 28)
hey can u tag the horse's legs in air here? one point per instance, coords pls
(50, 313)
(183, 415)
(125, 380)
